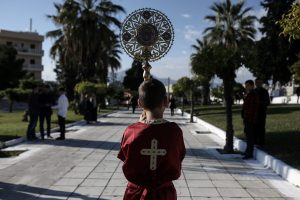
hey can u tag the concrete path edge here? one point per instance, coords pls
(287, 172)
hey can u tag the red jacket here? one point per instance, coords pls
(250, 107)
(150, 177)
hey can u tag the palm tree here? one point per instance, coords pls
(202, 68)
(232, 26)
(85, 43)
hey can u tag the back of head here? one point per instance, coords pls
(250, 82)
(152, 93)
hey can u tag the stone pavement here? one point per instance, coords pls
(85, 166)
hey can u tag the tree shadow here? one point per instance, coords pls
(94, 144)
(9, 191)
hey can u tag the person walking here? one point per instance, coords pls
(33, 112)
(172, 105)
(134, 103)
(46, 101)
(249, 115)
(62, 109)
(264, 102)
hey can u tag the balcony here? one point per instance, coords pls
(33, 67)
(28, 51)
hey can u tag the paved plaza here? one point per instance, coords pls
(85, 166)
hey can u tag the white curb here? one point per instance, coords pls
(287, 172)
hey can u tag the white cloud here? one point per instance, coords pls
(258, 13)
(243, 74)
(186, 15)
(184, 52)
(191, 34)
(173, 67)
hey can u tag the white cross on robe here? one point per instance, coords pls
(153, 153)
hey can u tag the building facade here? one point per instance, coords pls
(29, 48)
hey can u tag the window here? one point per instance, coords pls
(32, 46)
(9, 43)
(32, 61)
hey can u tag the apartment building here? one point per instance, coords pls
(29, 48)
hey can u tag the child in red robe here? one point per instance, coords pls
(152, 149)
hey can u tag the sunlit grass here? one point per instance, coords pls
(12, 126)
(282, 128)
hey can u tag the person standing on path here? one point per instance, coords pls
(264, 102)
(298, 94)
(46, 101)
(172, 105)
(33, 112)
(62, 110)
(134, 103)
(152, 149)
(249, 115)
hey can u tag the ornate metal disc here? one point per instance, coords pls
(147, 34)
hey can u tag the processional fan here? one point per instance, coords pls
(146, 36)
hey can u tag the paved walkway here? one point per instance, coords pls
(85, 166)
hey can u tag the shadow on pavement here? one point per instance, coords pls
(9, 191)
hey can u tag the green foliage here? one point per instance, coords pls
(182, 86)
(86, 46)
(295, 68)
(17, 94)
(290, 22)
(217, 92)
(86, 87)
(134, 76)
(2, 94)
(10, 67)
(29, 82)
(116, 90)
(273, 54)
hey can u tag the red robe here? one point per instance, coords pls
(151, 181)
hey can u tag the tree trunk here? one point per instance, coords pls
(192, 107)
(11, 103)
(228, 87)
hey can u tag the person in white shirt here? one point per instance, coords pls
(62, 109)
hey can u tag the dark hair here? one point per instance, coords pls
(250, 82)
(61, 89)
(152, 93)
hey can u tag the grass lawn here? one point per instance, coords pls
(12, 126)
(282, 128)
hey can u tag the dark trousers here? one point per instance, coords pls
(62, 126)
(44, 116)
(260, 129)
(172, 111)
(133, 109)
(250, 136)
(33, 118)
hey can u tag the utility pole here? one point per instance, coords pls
(168, 87)
(30, 25)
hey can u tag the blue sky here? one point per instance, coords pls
(187, 17)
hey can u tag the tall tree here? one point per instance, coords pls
(202, 67)
(134, 76)
(273, 54)
(10, 67)
(232, 26)
(85, 46)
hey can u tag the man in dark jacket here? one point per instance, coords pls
(33, 111)
(264, 102)
(249, 115)
(46, 100)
